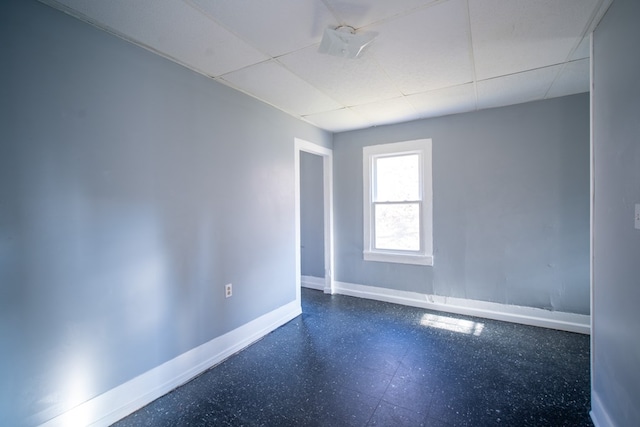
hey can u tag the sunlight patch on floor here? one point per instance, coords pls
(468, 327)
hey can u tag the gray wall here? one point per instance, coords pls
(131, 191)
(311, 215)
(511, 206)
(616, 281)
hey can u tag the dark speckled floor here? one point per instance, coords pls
(355, 362)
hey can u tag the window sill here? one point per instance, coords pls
(398, 258)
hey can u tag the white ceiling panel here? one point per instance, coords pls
(516, 88)
(360, 13)
(511, 36)
(339, 120)
(430, 58)
(272, 83)
(451, 100)
(171, 28)
(275, 27)
(388, 111)
(434, 54)
(583, 49)
(349, 81)
(574, 78)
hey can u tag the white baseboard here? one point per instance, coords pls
(571, 322)
(121, 401)
(312, 282)
(599, 415)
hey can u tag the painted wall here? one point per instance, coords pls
(131, 191)
(616, 243)
(511, 206)
(311, 215)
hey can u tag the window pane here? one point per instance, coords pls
(397, 178)
(397, 226)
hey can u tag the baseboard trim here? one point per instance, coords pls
(121, 401)
(312, 282)
(599, 415)
(571, 322)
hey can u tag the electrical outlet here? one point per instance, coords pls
(228, 290)
(637, 217)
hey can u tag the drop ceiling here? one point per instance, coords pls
(430, 58)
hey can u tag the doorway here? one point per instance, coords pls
(318, 267)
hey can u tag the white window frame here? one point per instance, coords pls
(424, 256)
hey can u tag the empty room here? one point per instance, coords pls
(320, 213)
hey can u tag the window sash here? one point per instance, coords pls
(374, 223)
(375, 176)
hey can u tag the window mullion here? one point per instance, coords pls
(393, 202)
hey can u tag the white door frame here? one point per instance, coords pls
(327, 172)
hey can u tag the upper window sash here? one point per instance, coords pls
(411, 192)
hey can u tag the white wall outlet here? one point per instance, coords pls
(228, 290)
(637, 216)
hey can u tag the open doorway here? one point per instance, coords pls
(314, 230)
(312, 266)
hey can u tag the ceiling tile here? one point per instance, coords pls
(574, 78)
(274, 84)
(433, 54)
(510, 36)
(275, 27)
(360, 13)
(173, 29)
(451, 100)
(349, 81)
(583, 50)
(338, 120)
(431, 57)
(389, 111)
(516, 88)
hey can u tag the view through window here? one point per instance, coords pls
(397, 202)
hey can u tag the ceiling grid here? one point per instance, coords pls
(430, 57)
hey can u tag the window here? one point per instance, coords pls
(398, 202)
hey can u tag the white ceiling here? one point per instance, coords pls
(431, 57)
